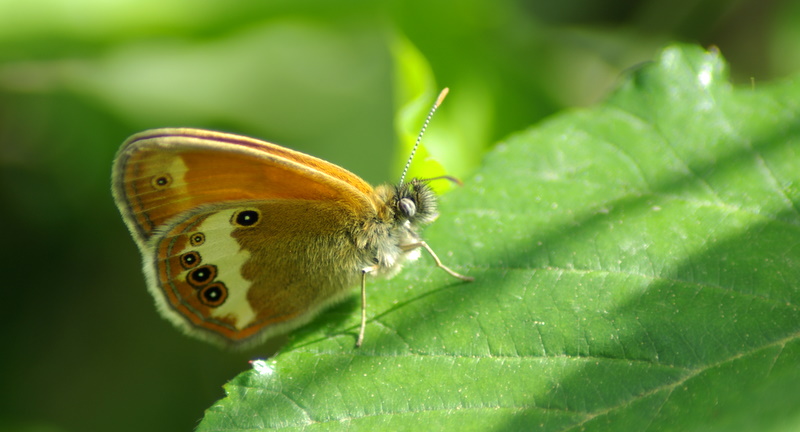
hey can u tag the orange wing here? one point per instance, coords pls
(162, 173)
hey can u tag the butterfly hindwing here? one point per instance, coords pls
(221, 271)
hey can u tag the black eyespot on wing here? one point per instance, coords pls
(190, 260)
(161, 181)
(197, 239)
(213, 295)
(201, 275)
(246, 218)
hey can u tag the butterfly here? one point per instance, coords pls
(242, 240)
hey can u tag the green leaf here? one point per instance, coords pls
(636, 266)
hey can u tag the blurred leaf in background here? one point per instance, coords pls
(85, 345)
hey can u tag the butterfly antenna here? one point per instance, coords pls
(422, 131)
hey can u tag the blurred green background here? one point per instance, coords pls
(85, 348)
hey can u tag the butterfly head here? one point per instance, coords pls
(414, 202)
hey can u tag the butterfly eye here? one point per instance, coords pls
(407, 207)
(161, 181)
(201, 275)
(246, 218)
(190, 259)
(197, 239)
(214, 294)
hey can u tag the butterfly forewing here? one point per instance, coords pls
(163, 173)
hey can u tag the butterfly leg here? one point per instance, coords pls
(364, 272)
(439, 264)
